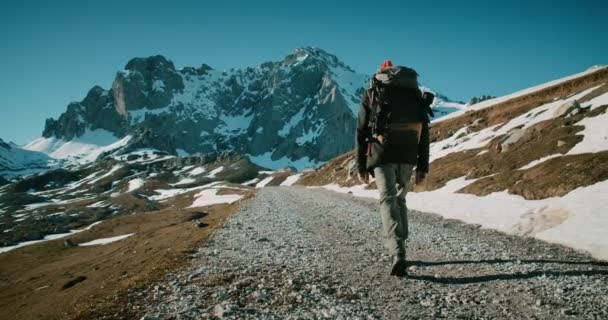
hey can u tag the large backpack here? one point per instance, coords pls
(397, 111)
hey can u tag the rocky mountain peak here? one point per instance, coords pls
(298, 111)
(147, 64)
(146, 83)
(312, 55)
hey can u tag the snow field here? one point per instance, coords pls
(557, 220)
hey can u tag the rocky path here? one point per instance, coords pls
(294, 253)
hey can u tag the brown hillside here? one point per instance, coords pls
(496, 168)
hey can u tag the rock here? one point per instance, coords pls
(150, 206)
(565, 108)
(68, 243)
(514, 136)
(200, 224)
(477, 122)
(197, 215)
(560, 143)
(132, 157)
(32, 235)
(218, 311)
(567, 312)
(146, 83)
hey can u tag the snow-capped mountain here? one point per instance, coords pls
(442, 105)
(15, 161)
(299, 111)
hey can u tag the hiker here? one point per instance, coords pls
(392, 137)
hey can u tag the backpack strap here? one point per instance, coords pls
(376, 96)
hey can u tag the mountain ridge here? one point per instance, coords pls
(299, 111)
(16, 161)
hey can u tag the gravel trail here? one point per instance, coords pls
(296, 253)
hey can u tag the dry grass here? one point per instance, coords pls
(51, 281)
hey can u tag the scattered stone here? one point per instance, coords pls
(151, 206)
(68, 243)
(73, 282)
(565, 108)
(514, 136)
(567, 312)
(218, 311)
(200, 224)
(197, 215)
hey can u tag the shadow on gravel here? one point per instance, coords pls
(497, 261)
(507, 276)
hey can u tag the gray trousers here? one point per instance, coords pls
(392, 180)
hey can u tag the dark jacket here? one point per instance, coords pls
(408, 153)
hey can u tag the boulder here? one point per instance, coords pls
(514, 136)
(566, 108)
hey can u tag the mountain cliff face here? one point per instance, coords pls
(296, 112)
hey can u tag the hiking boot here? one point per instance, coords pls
(399, 267)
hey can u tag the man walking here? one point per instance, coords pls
(392, 137)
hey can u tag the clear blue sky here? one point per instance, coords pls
(52, 52)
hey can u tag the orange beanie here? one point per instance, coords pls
(386, 63)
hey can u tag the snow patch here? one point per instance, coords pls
(184, 181)
(264, 182)
(250, 182)
(135, 184)
(209, 197)
(105, 240)
(197, 171)
(539, 161)
(215, 171)
(293, 121)
(562, 218)
(289, 181)
(107, 174)
(99, 204)
(350, 83)
(595, 134)
(234, 125)
(169, 193)
(47, 238)
(182, 153)
(311, 134)
(158, 86)
(82, 149)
